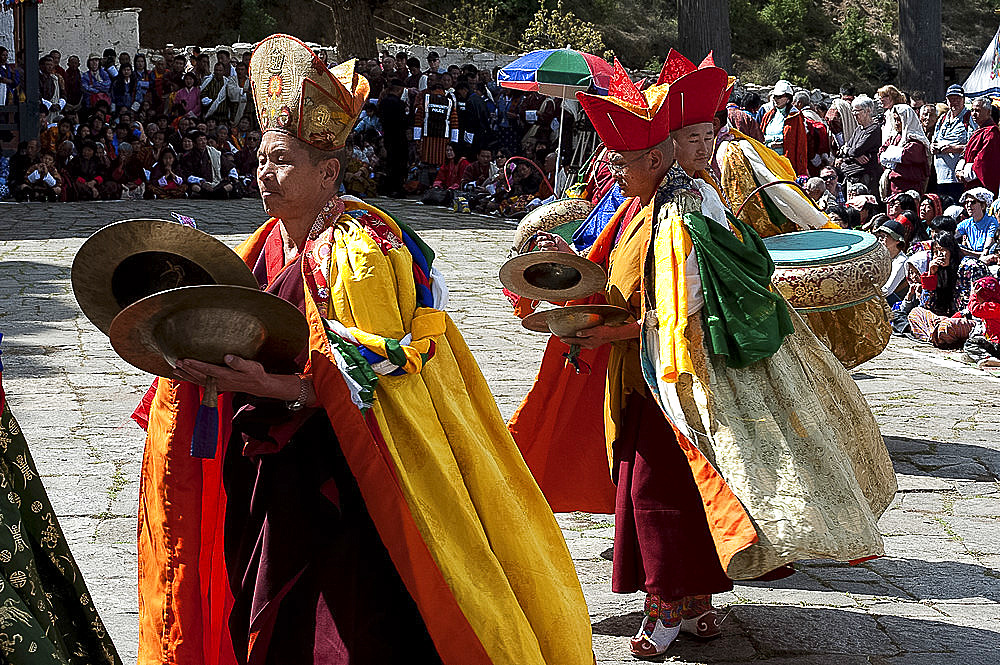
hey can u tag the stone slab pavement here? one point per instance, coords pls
(934, 599)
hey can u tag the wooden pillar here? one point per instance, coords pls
(703, 26)
(28, 24)
(921, 60)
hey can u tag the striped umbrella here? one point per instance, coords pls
(556, 73)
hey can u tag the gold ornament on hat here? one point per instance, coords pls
(297, 94)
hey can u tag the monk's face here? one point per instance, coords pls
(693, 146)
(638, 172)
(291, 182)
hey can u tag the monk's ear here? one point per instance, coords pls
(330, 169)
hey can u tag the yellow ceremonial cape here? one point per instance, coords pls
(464, 522)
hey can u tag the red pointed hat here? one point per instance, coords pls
(677, 66)
(627, 119)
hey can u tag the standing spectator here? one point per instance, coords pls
(743, 121)
(241, 97)
(434, 64)
(376, 81)
(473, 118)
(508, 123)
(906, 154)
(841, 120)
(224, 58)
(785, 129)
(817, 133)
(392, 113)
(917, 101)
(951, 134)
(215, 94)
(189, 97)
(96, 83)
(928, 118)
(889, 95)
(143, 78)
(10, 76)
(50, 86)
(435, 125)
(109, 63)
(74, 91)
(980, 163)
(124, 90)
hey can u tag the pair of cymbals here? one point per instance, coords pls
(568, 321)
(162, 291)
(552, 276)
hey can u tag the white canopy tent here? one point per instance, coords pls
(985, 78)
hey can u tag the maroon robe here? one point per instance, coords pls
(983, 152)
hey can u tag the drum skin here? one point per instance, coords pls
(834, 279)
(548, 217)
(816, 275)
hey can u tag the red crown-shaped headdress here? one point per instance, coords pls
(627, 119)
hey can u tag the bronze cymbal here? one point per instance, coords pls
(552, 276)
(207, 322)
(129, 260)
(569, 320)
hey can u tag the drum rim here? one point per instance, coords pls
(872, 245)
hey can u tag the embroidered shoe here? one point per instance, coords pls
(653, 638)
(705, 626)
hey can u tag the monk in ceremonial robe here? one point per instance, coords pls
(372, 507)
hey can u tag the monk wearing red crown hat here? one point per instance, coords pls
(371, 508)
(722, 415)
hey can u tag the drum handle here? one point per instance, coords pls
(758, 190)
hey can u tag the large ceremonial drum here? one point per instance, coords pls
(561, 217)
(834, 278)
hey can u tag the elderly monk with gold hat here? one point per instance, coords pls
(737, 441)
(371, 508)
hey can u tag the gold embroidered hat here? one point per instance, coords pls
(297, 94)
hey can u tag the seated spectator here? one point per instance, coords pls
(21, 164)
(815, 188)
(977, 233)
(897, 204)
(866, 205)
(164, 181)
(906, 153)
(892, 234)
(246, 162)
(844, 217)
(87, 173)
(358, 180)
(983, 345)
(929, 208)
(189, 97)
(128, 172)
(481, 172)
(525, 183)
(941, 318)
(449, 176)
(44, 181)
(201, 167)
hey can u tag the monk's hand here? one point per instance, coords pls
(591, 338)
(239, 375)
(550, 242)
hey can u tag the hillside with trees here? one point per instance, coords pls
(816, 43)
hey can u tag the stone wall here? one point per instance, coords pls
(78, 27)
(483, 60)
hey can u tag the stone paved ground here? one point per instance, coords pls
(933, 600)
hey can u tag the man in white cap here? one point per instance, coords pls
(951, 133)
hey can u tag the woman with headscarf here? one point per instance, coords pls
(841, 119)
(906, 153)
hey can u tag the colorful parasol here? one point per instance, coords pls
(556, 73)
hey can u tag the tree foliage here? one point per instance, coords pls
(558, 27)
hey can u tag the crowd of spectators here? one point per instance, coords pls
(183, 125)
(118, 126)
(923, 177)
